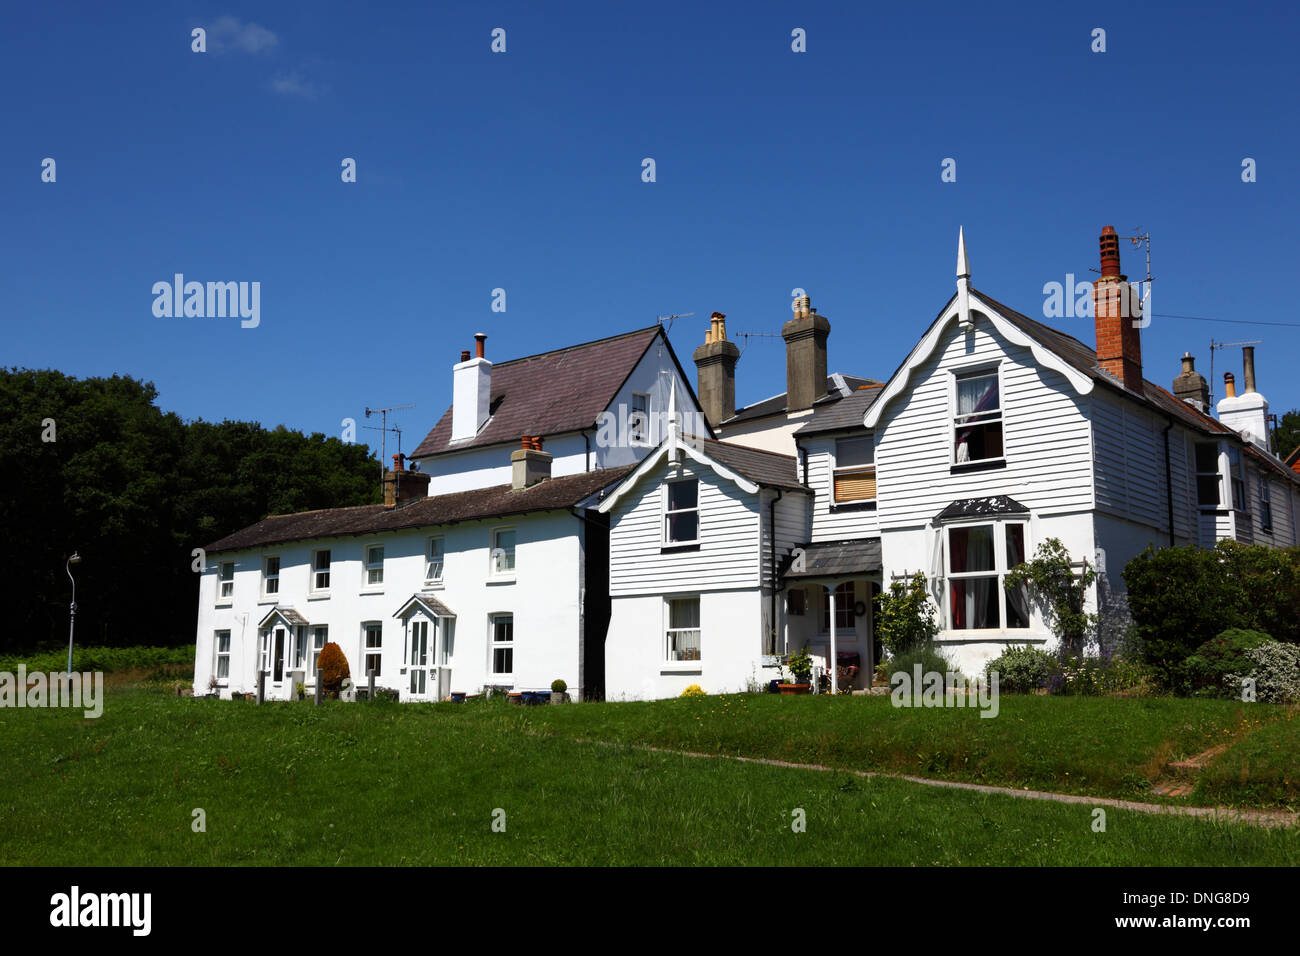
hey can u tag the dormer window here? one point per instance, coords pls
(977, 419)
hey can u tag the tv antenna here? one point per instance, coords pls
(661, 319)
(1214, 347)
(383, 430)
(755, 335)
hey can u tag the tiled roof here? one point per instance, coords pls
(846, 413)
(981, 508)
(837, 387)
(768, 468)
(497, 501)
(833, 559)
(551, 393)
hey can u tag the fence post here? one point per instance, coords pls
(261, 686)
(370, 684)
(318, 687)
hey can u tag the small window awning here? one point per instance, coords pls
(995, 507)
(286, 615)
(833, 559)
(427, 603)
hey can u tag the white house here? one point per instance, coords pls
(488, 570)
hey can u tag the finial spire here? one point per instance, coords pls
(674, 426)
(963, 264)
(963, 283)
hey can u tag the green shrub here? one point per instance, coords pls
(1208, 670)
(1180, 598)
(106, 659)
(929, 659)
(1276, 672)
(1022, 669)
(558, 686)
(1060, 590)
(904, 615)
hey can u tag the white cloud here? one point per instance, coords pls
(227, 33)
(293, 83)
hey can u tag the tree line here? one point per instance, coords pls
(95, 466)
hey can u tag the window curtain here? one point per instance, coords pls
(974, 395)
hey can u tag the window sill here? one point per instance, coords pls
(229, 602)
(687, 546)
(1024, 634)
(852, 506)
(319, 596)
(681, 667)
(371, 591)
(509, 580)
(268, 600)
(986, 464)
(434, 585)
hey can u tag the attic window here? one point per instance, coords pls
(977, 420)
(682, 511)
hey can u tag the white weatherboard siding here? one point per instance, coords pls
(544, 598)
(828, 525)
(728, 554)
(1045, 428)
(636, 665)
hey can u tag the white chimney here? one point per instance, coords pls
(1247, 413)
(471, 392)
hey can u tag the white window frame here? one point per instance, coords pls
(218, 655)
(369, 567)
(638, 434)
(666, 512)
(494, 645)
(430, 578)
(972, 371)
(495, 554)
(368, 650)
(314, 648)
(1000, 570)
(225, 596)
(836, 470)
(669, 630)
(315, 588)
(267, 593)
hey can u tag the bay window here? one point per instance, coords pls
(979, 557)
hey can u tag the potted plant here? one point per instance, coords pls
(558, 688)
(800, 666)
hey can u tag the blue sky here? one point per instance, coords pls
(522, 170)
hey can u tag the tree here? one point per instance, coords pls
(1060, 592)
(1287, 437)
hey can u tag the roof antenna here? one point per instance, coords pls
(1214, 347)
(383, 430)
(661, 319)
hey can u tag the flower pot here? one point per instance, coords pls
(792, 689)
(558, 696)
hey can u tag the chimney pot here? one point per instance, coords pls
(479, 339)
(1229, 385)
(464, 355)
(1248, 361)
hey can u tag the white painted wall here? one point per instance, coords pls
(771, 433)
(544, 598)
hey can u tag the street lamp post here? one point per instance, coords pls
(72, 611)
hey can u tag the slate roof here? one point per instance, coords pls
(981, 508)
(837, 387)
(833, 559)
(430, 604)
(290, 615)
(844, 414)
(768, 468)
(495, 502)
(1084, 359)
(553, 392)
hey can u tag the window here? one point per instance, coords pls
(855, 469)
(1237, 477)
(796, 602)
(503, 552)
(682, 512)
(222, 669)
(1207, 475)
(374, 565)
(271, 575)
(979, 557)
(374, 647)
(683, 633)
(433, 561)
(1265, 503)
(638, 422)
(226, 582)
(977, 423)
(503, 644)
(320, 635)
(320, 570)
(845, 617)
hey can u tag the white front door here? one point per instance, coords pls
(418, 659)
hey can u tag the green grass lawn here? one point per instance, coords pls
(419, 784)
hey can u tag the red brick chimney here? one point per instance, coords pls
(1119, 347)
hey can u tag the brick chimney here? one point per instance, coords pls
(402, 485)
(1119, 347)
(805, 356)
(529, 464)
(471, 391)
(715, 372)
(1190, 385)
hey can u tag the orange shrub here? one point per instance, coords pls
(334, 668)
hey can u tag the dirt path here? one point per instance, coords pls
(1262, 818)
